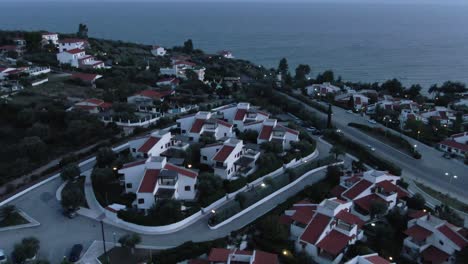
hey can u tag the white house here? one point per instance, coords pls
(180, 67)
(203, 123)
(93, 105)
(324, 231)
(158, 51)
(373, 258)
(241, 114)
(173, 82)
(322, 89)
(154, 145)
(271, 131)
(371, 187)
(226, 54)
(457, 144)
(433, 240)
(72, 43)
(77, 58)
(441, 114)
(147, 100)
(222, 157)
(50, 38)
(155, 179)
(359, 100)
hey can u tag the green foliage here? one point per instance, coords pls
(102, 176)
(248, 136)
(377, 208)
(72, 198)
(333, 175)
(105, 157)
(70, 172)
(393, 87)
(301, 72)
(7, 211)
(337, 151)
(130, 241)
(326, 76)
(283, 67)
(210, 188)
(188, 46)
(416, 202)
(27, 249)
(272, 147)
(445, 212)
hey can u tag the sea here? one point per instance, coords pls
(367, 42)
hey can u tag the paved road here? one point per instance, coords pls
(430, 169)
(57, 233)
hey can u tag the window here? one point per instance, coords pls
(225, 134)
(187, 188)
(205, 158)
(141, 200)
(129, 185)
(133, 150)
(162, 147)
(441, 242)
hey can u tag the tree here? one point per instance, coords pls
(191, 75)
(7, 211)
(433, 89)
(333, 175)
(72, 198)
(130, 241)
(337, 151)
(105, 157)
(102, 176)
(377, 208)
(208, 184)
(414, 91)
(271, 229)
(82, 31)
(27, 249)
(188, 46)
(170, 209)
(301, 72)
(283, 67)
(70, 172)
(329, 116)
(416, 202)
(326, 76)
(458, 124)
(393, 87)
(34, 148)
(33, 41)
(445, 212)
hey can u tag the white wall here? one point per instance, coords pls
(186, 181)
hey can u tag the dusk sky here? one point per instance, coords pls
(285, 1)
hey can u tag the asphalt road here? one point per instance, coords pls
(58, 234)
(430, 169)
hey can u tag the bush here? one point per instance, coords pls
(188, 250)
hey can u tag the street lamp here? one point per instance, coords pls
(263, 185)
(213, 211)
(189, 166)
(419, 132)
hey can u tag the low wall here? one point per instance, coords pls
(277, 192)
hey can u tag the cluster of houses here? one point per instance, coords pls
(72, 52)
(180, 66)
(236, 256)
(159, 174)
(456, 144)
(325, 231)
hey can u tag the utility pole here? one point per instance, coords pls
(104, 241)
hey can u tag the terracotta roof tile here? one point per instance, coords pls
(265, 133)
(223, 153)
(315, 228)
(149, 144)
(357, 189)
(149, 181)
(453, 236)
(180, 170)
(418, 232)
(334, 243)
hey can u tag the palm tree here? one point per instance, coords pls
(7, 211)
(130, 241)
(433, 89)
(337, 151)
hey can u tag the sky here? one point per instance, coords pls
(283, 1)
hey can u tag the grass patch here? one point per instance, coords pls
(120, 255)
(14, 219)
(444, 198)
(78, 184)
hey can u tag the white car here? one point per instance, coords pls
(349, 111)
(3, 257)
(371, 147)
(372, 121)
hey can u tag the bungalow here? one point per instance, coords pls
(231, 256)
(87, 78)
(50, 38)
(324, 231)
(373, 258)
(457, 144)
(322, 89)
(147, 100)
(155, 179)
(358, 100)
(408, 115)
(158, 51)
(93, 105)
(204, 124)
(226, 54)
(72, 43)
(433, 240)
(222, 157)
(372, 187)
(270, 131)
(153, 145)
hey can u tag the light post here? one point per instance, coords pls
(115, 241)
(104, 241)
(419, 132)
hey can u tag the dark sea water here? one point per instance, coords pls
(422, 44)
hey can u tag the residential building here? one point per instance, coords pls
(153, 145)
(87, 78)
(270, 131)
(222, 157)
(322, 89)
(236, 256)
(457, 144)
(180, 67)
(77, 58)
(156, 179)
(226, 54)
(371, 187)
(408, 115)
(158, 51)
(241, 114)
(72, 43)
(11, 48)
(204, 124)
(170, 81)
(433, 240)
(50, 38)
(324, 231)
(19, 42)
(440, 114)
(149, 101)
(373, 258)
(360, 101)
(93, 105)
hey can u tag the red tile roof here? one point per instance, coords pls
(74, 51)
(285, 220)
(366, 201)
(223, 153)
(266, 132)
(133, 164)
(156, 94)
(149, 181)
(198, 261)
(197, 125)
(183, 171)
(94, 101)
(87, 77)
(453, 236)
(334, 242)
(262, 257)
(417, 214)
(434, 255)
(357, 189)
(388, 186)
(315, 228)
(263, 113)
(223, 123)
(72, 40)
(303, 214)
(289, 130)
(418, 232)
(376, 259)
(240, 114)
(149, 144)
(337, 190)
(350, 218)
(454, 144)
(222, 254)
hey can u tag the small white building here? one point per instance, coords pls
(155, 179)
(322, 89)
(226, 54)
(77, 58)
(222, 157)
(50, 38)
(158, 51)
(93, 105)
(373, 258)
(433, 240)
(173, 82)
(271, 131)
(241, 114)
(72, 43)
(154, 145)
(204, 124)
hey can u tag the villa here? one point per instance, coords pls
(77, 58)
(50, 38)
(180, 67)
(158, 51)
(153, 145)
(433, 240)
(457, 144)
(155, 179)
(241, 114)
(72, 43)
(236, 256)
(87, 78)
(226, 54)
(324, 231)
(204, 124)
(93, 105)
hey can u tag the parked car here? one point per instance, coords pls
(372, 121)
(70, 213)
(371, 148)
(75, 253)
(311, 129)
(3, 257)
(349, 111)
